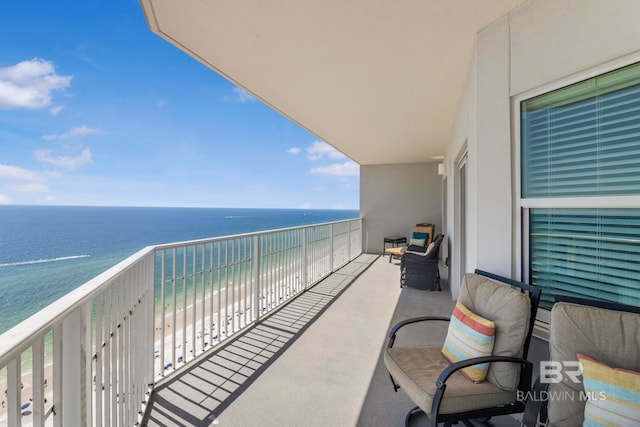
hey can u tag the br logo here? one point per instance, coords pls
(552, 372)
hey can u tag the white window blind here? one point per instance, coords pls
(590, 253)
(584, 141)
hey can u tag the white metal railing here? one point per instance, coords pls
(93, 356)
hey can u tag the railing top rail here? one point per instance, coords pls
(249, 234)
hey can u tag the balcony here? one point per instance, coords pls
(315, 362)
(294, 325)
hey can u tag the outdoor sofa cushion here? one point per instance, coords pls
(608, 336)
(416, 368)
(510, 310)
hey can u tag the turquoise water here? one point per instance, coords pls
(47, 251)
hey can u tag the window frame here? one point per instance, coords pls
(522, 205)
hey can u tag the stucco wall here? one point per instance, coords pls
(541, 45)
(494, 230)
(553, 39)
(394, 198)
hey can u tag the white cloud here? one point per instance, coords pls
(305, 205)
(28, 84)
(79, 131)
(242, 95)
(67, 163)
(56, 110)
(29, 188)
(239, 96)
(15, 172)
(319, 150)
(50, 199)
(348, 168)
(53, 174)
(294, 150)
(4, 200)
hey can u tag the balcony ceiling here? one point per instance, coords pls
(380, 81)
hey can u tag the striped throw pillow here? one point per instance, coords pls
(469, 336)
(613, 394)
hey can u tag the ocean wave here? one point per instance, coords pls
(42, 261)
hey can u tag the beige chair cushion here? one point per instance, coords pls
(608, 336)
(416, 370)
(510, 310)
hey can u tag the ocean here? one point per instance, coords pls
(47, 251)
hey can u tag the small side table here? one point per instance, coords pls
(393, 240)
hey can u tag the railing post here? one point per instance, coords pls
(349, 240)
(73, 370)
(38, 384)
(14, 390)
(255, 289)
(332, 254)
(151, 314)
(305, 262)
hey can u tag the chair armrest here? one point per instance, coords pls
(441, 383)
(454, 367)
(416, 255)
(403, 323)
(415, 249)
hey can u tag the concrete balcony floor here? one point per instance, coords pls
(315, 362)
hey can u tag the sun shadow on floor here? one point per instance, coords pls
(198, 394)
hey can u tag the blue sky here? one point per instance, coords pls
(97, 110)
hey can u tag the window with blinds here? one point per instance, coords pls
(584, 141)
(590, 253)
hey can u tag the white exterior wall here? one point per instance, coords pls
(551, 39)
(539, 46)
(494, 227)
(457, 147)
(394, 198)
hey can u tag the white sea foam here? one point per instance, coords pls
(42, 261)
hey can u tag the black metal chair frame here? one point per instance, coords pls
(441, 384)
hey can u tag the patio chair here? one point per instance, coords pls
(421, 237)
(419, 266)
(423, 231)
(451, 389)
(605, 338)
